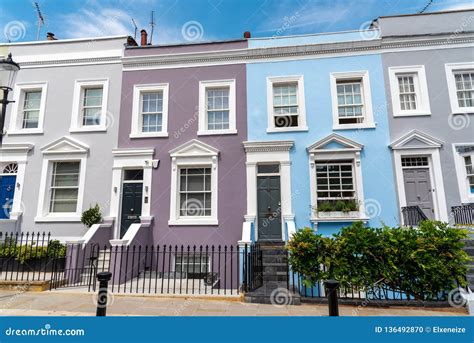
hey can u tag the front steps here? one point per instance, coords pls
(275, 278)
(469, 249)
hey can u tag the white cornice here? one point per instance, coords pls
(133, 152)
(268, 146)
(253, 55)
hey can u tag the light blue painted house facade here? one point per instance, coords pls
(323, 120)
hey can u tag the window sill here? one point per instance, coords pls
(47, 219)
(412, 114)
(88, 129)
(217, 132)
(460, 112)
(340, 217)
(287, 129)
(353, 126)
(148, 135)
(193, 222)
(25, 132)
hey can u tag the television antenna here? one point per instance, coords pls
(40, 20)
(152, 24)
(135, 29)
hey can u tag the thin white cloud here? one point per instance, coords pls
(96, 23)
(452, 5)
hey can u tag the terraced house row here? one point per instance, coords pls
(244, 141)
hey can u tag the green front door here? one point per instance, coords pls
(269, 208)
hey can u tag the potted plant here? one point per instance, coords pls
(91, 216)
(342, 208)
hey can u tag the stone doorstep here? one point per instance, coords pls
(25, 286)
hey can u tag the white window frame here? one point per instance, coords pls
(350, 150)
(62, 150)
(465, 195)
(76, 120)
(421, 90)
(137, 119)
(16, 119)
(299, 79)
(452, 68)
(367, 99)
(203, 86)
(193, 154)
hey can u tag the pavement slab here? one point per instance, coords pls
(68, 303)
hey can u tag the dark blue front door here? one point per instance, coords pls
(7, 190)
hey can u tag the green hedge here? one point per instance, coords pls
(24, 253)
(420, 262)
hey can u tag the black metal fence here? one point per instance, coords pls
(29, 256)
(161, 269)
(252, 268)
(412, 215)
(463, 215)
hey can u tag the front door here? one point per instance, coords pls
(269, 208)
(418, 190)
(7, 191)
(132, 194)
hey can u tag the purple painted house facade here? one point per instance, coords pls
(179, 165)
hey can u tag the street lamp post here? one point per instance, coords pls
(8, 71)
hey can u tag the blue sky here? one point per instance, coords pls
(190, 20)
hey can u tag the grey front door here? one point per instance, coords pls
(269, 208)
(418, 190)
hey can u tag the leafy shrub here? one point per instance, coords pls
(307, 254)
(27, 252)
(325, 206)
(421, 262)
(91, 216)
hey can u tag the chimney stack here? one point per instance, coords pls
(144, 38)
(50, 36)
(247, 34)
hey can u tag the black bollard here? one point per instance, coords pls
(103, 278)
(331, 292)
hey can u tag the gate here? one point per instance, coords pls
(82, 264)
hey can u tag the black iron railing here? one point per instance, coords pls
(252, 268)
(412, 215)
(29, 256)
(463, 215)
(160, 269)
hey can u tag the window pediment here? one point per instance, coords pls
(65, 145)
(334, 142)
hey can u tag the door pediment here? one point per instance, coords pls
(416, 139)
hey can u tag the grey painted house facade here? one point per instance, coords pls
(60, 133)
(431, 111)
